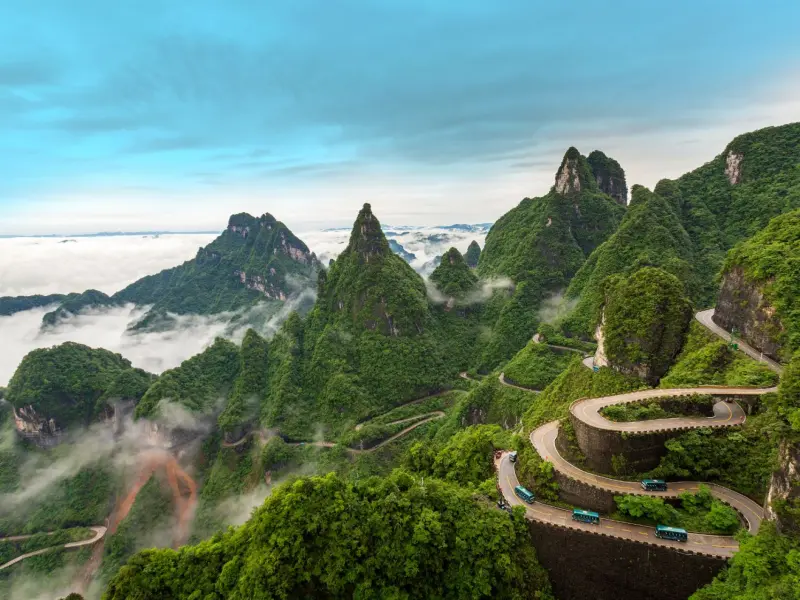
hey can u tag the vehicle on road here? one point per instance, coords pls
(525, 494)
(512, 457)
(585, 516)
(654, 485)
(671, 533)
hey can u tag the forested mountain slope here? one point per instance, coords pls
(540, 245)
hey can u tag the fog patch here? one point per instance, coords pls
(153, 351)
(236, 510)
(486, 288)
(556, 307)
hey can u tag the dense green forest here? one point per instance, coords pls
(69, 382)
(324, 537)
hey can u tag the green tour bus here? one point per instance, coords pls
(671, 533)
(523, 493)
(654, 485)
(585, 516)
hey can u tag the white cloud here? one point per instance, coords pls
(153, 352)
(48, 266)
(424, 242)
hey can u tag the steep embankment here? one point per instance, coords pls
(585, 415)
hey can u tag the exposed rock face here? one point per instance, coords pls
(568, 178)
(38, 429)
(733, 167)
(783, 496)
(600, 358)
(610, 176)
(742, 307)
(260, 284)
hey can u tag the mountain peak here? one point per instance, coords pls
(367, 239)
(574, 174)
(609, 175)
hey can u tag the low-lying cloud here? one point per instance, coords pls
(555, 307)
(477, 296)
(62, 265)
(426, 243)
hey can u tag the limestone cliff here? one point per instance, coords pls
(742, 308)
(783, 496)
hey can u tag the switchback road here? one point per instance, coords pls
(99, 532)
(726, 414)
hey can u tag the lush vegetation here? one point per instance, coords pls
(75, 303)
(148, 522)
(708, 360)
(742, 458)
(10, 305)
(650, 234)
(465, 459)
(198, 382)
(324, 537)
(453, 277)
(698, 511)
(10, 550)
(574, 383)
(771, 259)
(646, 316)
(540, 245)
(610, 176)
(536, 366)
(473, 254)
(660, 408)
(766, 567)
(717, 214)
(250, 387)
(66, 383)
(262, 251)
(80, 500)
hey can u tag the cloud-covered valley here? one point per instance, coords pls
(54, 265)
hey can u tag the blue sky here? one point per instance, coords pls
(172, 115)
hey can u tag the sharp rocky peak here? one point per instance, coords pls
(367, 239)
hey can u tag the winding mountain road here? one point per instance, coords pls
(99, 532)
(706, 319)
(726, 414)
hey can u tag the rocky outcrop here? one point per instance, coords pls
(783, 496)
(742, 308)
(733, 167)
(600, 358)
(568, 178)
(36, 428)
(610, 176)
(260, 284)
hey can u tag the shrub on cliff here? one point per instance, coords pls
(646, 317)
(324, 537)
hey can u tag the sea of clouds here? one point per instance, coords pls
(109, 263)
